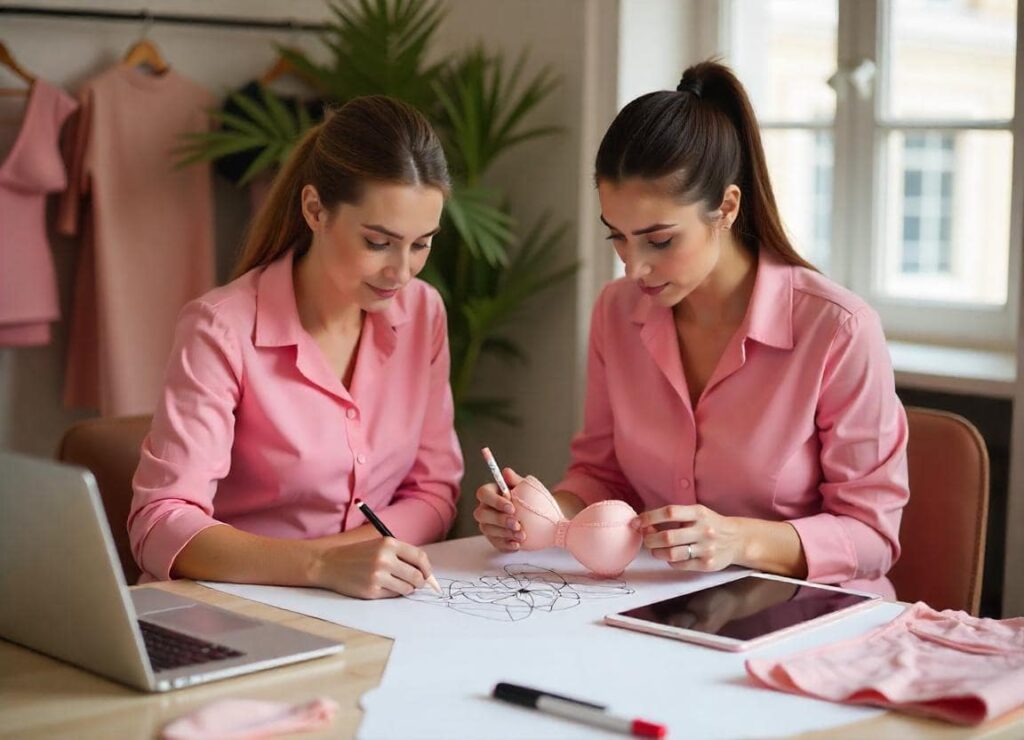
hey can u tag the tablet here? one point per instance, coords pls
(745, 613)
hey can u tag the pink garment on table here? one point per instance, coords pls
(799, 422)
(32, 169)
(235, 719)
(256, 431)
(947, 664)
(600, 536)
(147, 234)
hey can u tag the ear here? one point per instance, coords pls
(312, 209)
(730, 209)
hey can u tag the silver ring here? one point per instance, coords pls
(689, 552)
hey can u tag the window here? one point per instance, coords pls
(894, 169)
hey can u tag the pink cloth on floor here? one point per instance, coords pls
(248, 718)
(947, 664)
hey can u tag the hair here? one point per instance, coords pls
(702, 136)
(369, 139)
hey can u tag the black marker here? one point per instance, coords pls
(385, 532)
(575, 709)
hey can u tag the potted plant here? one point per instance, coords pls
(485, 265)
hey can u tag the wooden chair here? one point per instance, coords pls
(110, 449)
(943, 530)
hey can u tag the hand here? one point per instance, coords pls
(695, 538)
(496, 515)
(378, 568)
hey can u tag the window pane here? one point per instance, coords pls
(784, 51)
(800, 167)
(951, 59)
(947, 216)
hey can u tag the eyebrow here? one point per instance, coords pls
(392, 234)
(639, 232)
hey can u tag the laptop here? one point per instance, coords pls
(62, 592)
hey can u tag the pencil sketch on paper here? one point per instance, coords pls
(518, 593)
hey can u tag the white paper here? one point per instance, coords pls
(450, 652)
(471, 564)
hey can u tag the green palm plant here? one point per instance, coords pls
(485, 266)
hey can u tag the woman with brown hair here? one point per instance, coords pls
(740, 400)
(317, 377)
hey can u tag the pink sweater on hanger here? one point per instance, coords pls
(147, 234)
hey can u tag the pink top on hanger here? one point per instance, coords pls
(799, 422)
(945, 664)
(32, 169)
(147, 234)
(256, 431)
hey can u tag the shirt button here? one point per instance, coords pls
(684, 483)
(360, 459)
(351, 413)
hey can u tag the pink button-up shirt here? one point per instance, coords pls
(799, 422)
(256, 431)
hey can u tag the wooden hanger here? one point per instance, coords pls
(281, 68)
(7, 59)
(145, 53)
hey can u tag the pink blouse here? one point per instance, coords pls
(799, 422)
(32, 169)
(255, 430)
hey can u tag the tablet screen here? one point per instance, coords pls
(746, 608)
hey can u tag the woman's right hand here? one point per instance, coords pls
(496, 516)
(377, 568)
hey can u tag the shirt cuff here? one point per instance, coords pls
(168, 537)
(827, 548)
(415, 520)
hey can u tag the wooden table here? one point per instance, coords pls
(44, 698)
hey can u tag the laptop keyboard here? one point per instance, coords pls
(169, 649)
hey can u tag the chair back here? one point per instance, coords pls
(109, 448)
(943, 530)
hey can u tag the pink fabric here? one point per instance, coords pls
(255, 430)
(799, 422)
(599, 536)
(147, 234)
(234, 719)
(946, 664)
(32, 169)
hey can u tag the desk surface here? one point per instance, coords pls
(41, 697)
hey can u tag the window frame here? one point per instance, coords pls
(857, 188)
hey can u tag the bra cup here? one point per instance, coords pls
(538, 513)
(602, 540)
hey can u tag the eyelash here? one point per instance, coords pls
(379, 247)
(656, 245)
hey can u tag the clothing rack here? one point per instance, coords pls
(145, 16)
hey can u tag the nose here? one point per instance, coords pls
(399, 270)
(635, 266)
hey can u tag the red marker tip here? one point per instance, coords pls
(648, 729)
(357, 501)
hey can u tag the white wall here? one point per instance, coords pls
(575, 37)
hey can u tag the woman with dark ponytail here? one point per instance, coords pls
(741, 401)
(318, 377)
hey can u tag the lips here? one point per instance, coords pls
(653, 291)
(381, 293)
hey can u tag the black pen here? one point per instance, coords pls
(575, 709)
(385, 532)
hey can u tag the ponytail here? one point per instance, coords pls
(703, 137)
(279, 225)
(369, 139)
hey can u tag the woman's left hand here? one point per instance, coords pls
(692, 537)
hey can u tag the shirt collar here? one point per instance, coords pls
(769, 318)
(277, 313)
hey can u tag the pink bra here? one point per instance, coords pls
(599, 536)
